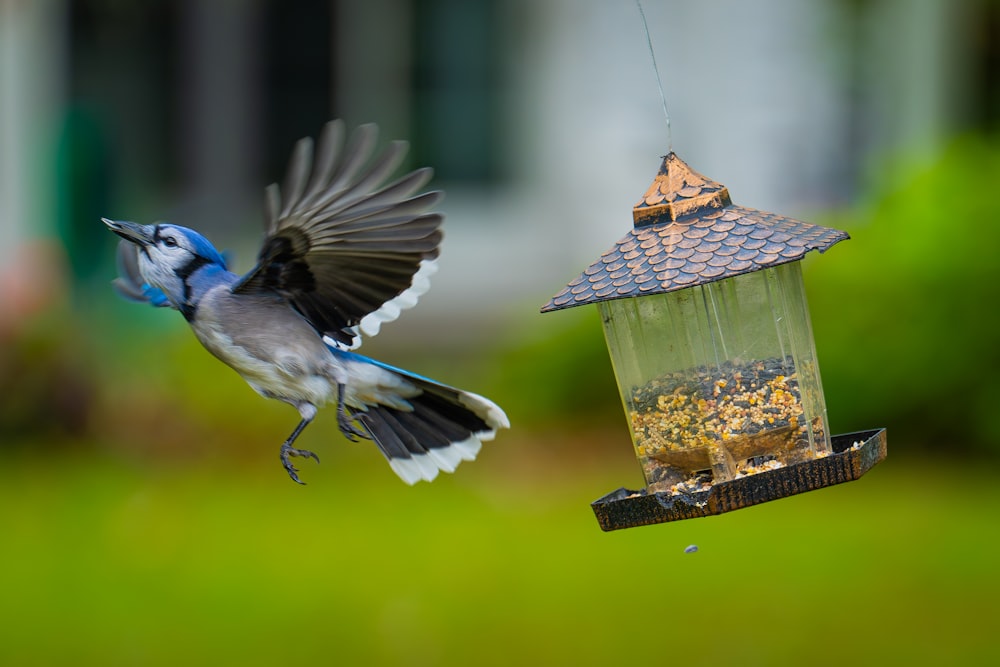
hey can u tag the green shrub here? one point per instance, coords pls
(905, 313)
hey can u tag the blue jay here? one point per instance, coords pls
(343, 253)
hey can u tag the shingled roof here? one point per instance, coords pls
(688, 232)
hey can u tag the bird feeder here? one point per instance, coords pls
(705, 316)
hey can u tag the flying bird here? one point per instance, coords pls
(344, 252)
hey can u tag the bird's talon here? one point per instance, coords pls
(350, 431)
(286, 452)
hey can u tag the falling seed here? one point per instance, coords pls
(690, 549)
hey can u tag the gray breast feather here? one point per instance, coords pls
(273, 347)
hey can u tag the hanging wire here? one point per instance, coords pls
(656, 71)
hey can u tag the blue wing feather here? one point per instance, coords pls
(154, 296)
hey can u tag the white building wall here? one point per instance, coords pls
(753, 104)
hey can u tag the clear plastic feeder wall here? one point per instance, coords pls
(719, 380)
(708, 330)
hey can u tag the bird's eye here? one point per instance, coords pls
(170, 241)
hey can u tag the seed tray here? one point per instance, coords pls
(854, 455)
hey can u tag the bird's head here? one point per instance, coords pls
(168, 255)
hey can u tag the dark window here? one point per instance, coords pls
(456, 80)
(299, 79)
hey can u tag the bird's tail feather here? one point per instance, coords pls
(444, 427)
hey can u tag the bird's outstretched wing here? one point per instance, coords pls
(348, 251)
(130, 283)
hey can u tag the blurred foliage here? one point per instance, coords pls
(46, 388)
(905, 313)
(559, 371)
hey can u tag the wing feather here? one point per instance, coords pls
(331, 143)
(272, 207)
(358, 151)
(391, 195)
(341, 244)
(298, 172)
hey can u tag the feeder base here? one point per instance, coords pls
(626, 509)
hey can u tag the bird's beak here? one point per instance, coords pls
(141, 235)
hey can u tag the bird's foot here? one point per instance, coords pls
(349, 426)
(346, 419)
(287, 451)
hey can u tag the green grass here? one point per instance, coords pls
(110, 563)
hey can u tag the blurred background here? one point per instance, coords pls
(144, 518)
